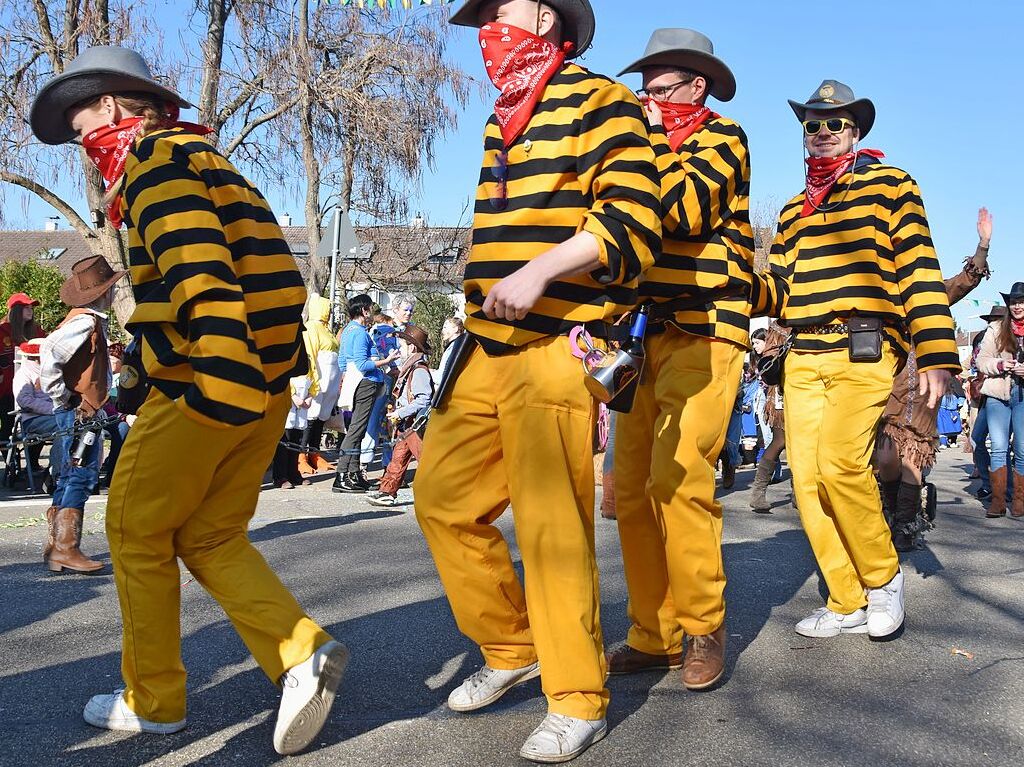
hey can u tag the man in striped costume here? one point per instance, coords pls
(218, 313)
(567, 217)
(853, 272)
(668, 445)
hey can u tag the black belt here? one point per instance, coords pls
(824, 330)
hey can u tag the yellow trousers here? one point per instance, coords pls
(670, 524)
(832, 409)
(518, 429)
(183, 489)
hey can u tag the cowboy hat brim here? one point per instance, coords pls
(48, 116)
(863, 111)
(74, 297)
(1009, 298)
(577, 20)
(422, 344)
(723, 82)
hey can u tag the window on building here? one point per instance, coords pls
(52, 254)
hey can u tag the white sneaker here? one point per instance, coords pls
(487, 685)
(824, 623)
(307, 692)
(111, 713)
(885, 608)
(561, 738)
(381, 499)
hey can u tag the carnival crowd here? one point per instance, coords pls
(594, 204)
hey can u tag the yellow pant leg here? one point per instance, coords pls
(165, 472)
(461, 489)
(214, 545)
(694, 382)
(547, 421)
(654, 625)
(832, 411)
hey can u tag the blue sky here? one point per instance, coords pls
(944, 76)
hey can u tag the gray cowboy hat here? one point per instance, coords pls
(687, 49)
(94, 72)
(1016, 293)
(832, 96)
(577, 20)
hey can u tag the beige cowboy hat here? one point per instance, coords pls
(687, 49)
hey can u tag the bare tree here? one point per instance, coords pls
(764, 215)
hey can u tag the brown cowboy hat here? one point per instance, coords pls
(995, 313)
(90, 278)
(417, 336)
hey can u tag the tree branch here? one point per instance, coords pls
(52, 199)
(254, 124)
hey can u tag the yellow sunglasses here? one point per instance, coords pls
(834, 125)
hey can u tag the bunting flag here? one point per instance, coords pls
(406, 4)
(978, 304)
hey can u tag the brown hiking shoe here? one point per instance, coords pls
(705, 660)
(625, 660)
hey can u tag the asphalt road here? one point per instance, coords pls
(949, 692)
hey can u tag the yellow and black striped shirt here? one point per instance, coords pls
(707, 242)
(869, 252)
(584, 163)
(219, 297)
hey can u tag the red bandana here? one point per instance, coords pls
(108, 148)
(1017, 326)
(520, 64)
(683, 120)
(824, 172)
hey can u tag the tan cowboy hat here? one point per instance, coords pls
(687, 49)
(96, 71)
(577, 20)
(90, 278)
(417, 336)
(832, 96)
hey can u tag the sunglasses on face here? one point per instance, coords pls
(499, 169)
(833, 125)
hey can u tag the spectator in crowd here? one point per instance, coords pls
(402, 309)
(285, 468)
(18, 327)
(979, 421)
(116, 431)
(385, 342)
(365, 380)
(770, 415)
(325, 379)
(450, 331)
(413, 392)
(1001, 360)
(34, 404)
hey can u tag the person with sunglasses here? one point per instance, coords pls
(567, 217)
(853, 273)
(669, 522)
(908, 434)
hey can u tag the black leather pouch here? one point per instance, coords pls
(865, 339)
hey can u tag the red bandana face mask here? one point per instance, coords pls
(108, 147)
(520, 64)
(824, 172)
(1017, 326)
(683, 120)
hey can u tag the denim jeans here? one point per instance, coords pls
(373, 428)
(74, 483)
(45, 425)
(733, 435)
(1004, 418)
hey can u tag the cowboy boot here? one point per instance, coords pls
(908, 507)
(608, 495)
(890, 490)
(66, 554)
(765, 470)
(1017, 508)
(51, 531)
(305, 468)
(997, 503)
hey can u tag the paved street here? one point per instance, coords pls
(949, 692)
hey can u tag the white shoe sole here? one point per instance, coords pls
(98, 719)
(495, 695)
(559, 758)
(309, 720)
(892, 633)
(817, 634)
(381, 502)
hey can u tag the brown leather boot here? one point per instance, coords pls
(608, 495)
(705, 660)
(997, 503)
(51, 531)
(625, 660)
(1017, 508)
(66, 554)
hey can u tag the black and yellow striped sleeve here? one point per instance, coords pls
(617, 171)
(699, 186)
(171, 208)
(921, 286)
